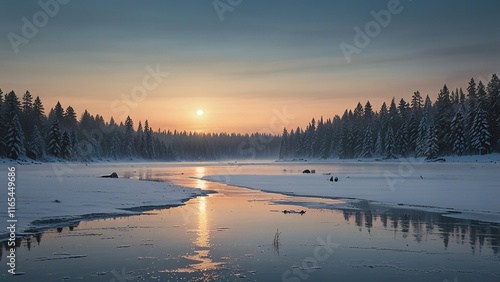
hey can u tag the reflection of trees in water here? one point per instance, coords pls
(420, 224)
(38, 238)
(28, 240)
(7, 248)
(358, 219)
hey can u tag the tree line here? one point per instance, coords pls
(457, 123)
(27, 132)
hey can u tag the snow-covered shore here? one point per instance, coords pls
(465, 190)
(48, 196)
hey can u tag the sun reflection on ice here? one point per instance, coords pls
(202, 260)
(199, 173)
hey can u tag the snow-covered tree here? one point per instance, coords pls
(15, 139)
(115, 146)
(480, 135)
(379, 148)
(442, 120)
(57, 113)
(493, 90)
(416, 102)
(390, 147)
(70, 118)
(421, 142)
(38, 112)
(66, 149)
(11, 107)
(412, 133)
(471, 106)
(284, 144)
(54, 139)
(368, 118)
(367, 144)
(432, 147)
(148, 141)
(36, 146)
(344, 143)
(457, 134)
(128, 142)
(27, 104)
(402, 142)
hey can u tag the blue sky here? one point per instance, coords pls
(263, 56)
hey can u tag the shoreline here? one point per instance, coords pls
(44, 224)
(458, 190)
(484, 216)
(46, 199)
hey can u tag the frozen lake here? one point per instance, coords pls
(229, 236)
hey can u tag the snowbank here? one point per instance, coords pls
(48, 197)
(471, 189)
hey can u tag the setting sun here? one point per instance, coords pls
(199, 112)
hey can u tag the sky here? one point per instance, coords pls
(250, 65)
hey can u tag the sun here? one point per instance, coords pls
(199, 112)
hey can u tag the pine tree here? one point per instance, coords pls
(171, 153)
(27, 105)
(428, 106)
(74, 144)
(115, 146)
(368, 118)
(351, 144)
(416, 102)
(412, 133)
(367, 144)
(394, 120)
(457, 136)
(432, 148)
(26, 114)
(70, 118)
(379, 151)
(54, 139)
(38, 112)
(57, 113)
(421, 143)
(66, 150)
(36, 147)
(462, 98)
(481, 94)
(283, 145)
(443, 118)
(312, 140)
(480, 135)
(404, 110)
(402, 143)
(324, 151)
(11, 106)
(493, 90)
(15, 139)
(128, 142)
(471, 106)
(390, 147)
(343, 144)
(299, 145)
(148, 141)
